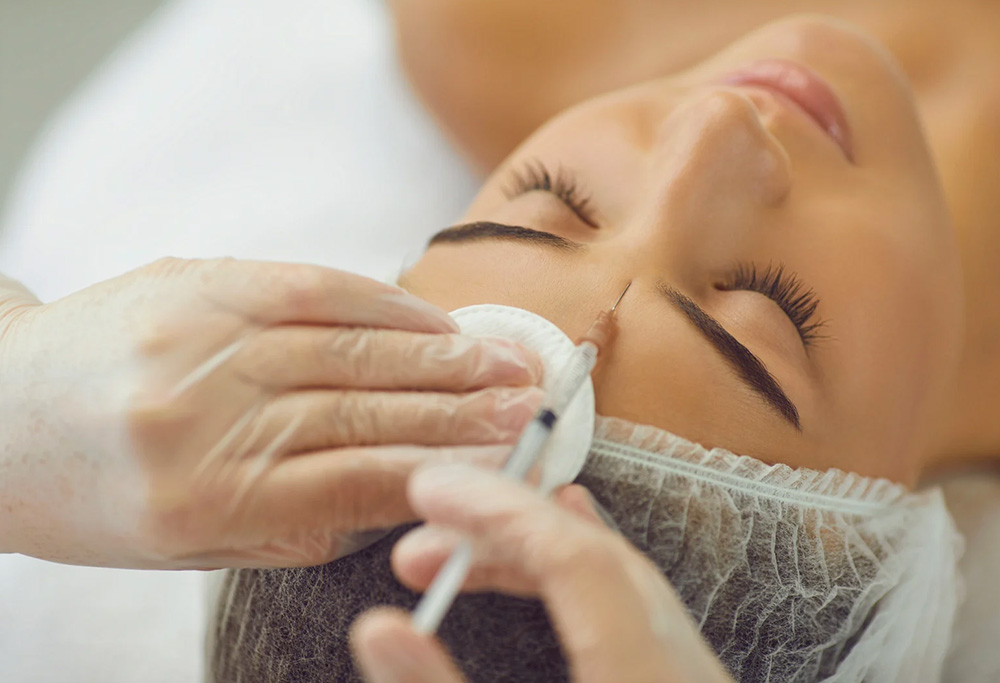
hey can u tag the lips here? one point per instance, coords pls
(806, 89)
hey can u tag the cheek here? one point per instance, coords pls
(602, 141)
(894, 343)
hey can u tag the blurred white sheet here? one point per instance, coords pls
(974, 501)
(275, 129)
(271, 129)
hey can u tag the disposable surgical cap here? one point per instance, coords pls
(791, 575)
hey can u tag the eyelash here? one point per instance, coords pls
(535, 176)
(786, 290)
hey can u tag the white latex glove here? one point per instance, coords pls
(201, 414)
(617, 617)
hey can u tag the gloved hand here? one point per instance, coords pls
(201, 414)
(617, 617)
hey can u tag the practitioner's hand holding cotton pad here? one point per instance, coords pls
(204, 414)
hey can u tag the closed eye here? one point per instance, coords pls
(785, 289)
(534, 176)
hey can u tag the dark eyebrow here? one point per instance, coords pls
(750, 369)
(485, 230)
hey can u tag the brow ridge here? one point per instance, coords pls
(742, 360)
(484, 230)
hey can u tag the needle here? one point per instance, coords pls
(621, 296)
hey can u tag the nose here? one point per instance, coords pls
(716, 142)
(714, 173)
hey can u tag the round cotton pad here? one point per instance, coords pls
(566, 451)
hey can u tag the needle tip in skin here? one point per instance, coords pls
(602, 330)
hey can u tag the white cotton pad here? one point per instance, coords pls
(566, 451)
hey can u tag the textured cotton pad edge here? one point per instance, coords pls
(566, 451)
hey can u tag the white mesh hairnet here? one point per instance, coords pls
(793, 575)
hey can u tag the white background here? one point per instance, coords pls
(272, 129)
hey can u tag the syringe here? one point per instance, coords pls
(442, 592)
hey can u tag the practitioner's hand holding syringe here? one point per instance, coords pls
(197, 414)
(617, 617)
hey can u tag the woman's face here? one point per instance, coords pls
(795, 289)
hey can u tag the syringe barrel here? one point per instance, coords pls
(573, 375)
(525, 453)
(446, 585)
(601, 330)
